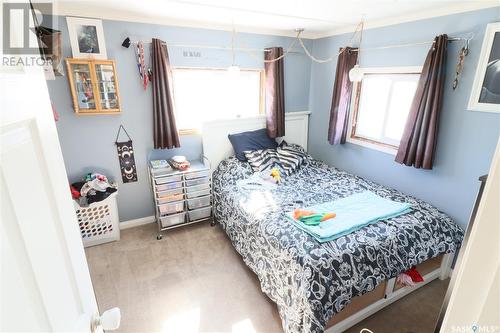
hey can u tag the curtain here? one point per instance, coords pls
(341, 98)
(418, 143)
(275, 92)
(165, 135)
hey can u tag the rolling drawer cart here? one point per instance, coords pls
(181, 197)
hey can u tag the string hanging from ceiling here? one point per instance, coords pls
(298, 39)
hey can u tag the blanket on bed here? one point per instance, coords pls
(311, 281)
(352, 213)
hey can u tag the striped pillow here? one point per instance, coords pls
(291, 157)
(263, 159)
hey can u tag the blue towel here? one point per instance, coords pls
(353, 213)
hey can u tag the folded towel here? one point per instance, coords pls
(353, 213)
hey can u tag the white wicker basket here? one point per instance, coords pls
(99, 222)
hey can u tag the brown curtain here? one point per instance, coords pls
(419, 139)
(165, 135)
(275, 92)
(341, 98)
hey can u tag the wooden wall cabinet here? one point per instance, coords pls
(94, 86)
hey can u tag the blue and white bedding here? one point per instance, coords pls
(312, 281)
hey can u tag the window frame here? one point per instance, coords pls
(354, 108)
(262, 92)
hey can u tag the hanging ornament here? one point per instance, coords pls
(141, 66)
(464, 51)
(356, 73)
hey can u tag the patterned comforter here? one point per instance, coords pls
(309, 281)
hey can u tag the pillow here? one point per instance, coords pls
(294, 146)
(251, 141)
(263, 159)
(291, 157)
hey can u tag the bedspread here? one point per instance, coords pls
(311, 281)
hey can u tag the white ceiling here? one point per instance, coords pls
(319, 18)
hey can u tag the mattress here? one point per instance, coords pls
(310, 281)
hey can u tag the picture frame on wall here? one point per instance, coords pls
(485, 94)
(87, 38)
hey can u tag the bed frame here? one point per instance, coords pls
(386, 293)
(216, 147)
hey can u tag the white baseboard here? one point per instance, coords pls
(137, 222)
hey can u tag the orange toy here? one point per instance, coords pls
(328, 216)
(298, 213)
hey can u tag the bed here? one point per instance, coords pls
(335, 284)
(311, 281)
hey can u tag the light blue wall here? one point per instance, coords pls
(88, 141)
(466, 139)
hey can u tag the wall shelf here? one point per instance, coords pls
(94, 86)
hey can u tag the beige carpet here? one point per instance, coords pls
(194, 281)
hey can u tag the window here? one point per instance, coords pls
(381, 104)
(202, 94)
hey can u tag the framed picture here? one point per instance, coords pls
(86, 37)
(485, 95)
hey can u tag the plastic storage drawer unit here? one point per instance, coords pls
(171, 220)
(198, 193)
(169, 186)
(197, 188)
(171, 208)
(169, 196)
(191, 175)
(199, 202)
(181, 197)
(197, 181)
(168, 179)
(199, 213)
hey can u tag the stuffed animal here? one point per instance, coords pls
(275, 173)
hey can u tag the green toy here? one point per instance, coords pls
(313, 219)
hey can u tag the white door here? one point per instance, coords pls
(45, 281)
(474, 304)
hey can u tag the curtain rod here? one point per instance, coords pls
(244, 49)
(228, 48)
(451, 39)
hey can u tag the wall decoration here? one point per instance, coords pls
(50, 46)
(141, 65)
(464, 52)
(86, 37)
(485, 95)
(126, 158)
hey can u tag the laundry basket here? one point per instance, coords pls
(99, 222)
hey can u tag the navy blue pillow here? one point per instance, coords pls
(251, 141)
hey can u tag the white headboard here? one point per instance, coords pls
(216, 145)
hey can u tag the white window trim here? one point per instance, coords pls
(376, 70)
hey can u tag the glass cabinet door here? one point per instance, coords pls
(106, 87)
(83, 91)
